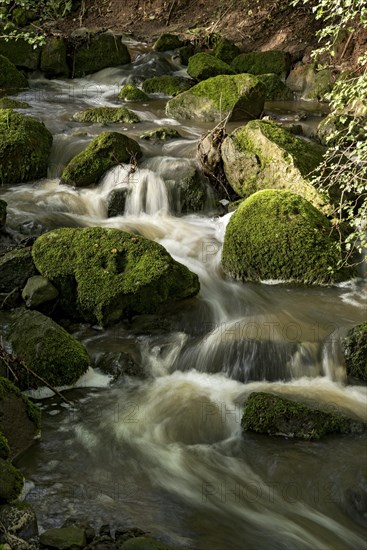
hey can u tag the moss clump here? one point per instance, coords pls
(25, 145)
(161, 134)
(53, 58)
(10, 103)
(225, 50)
(4, 447)
(241, 95)
(263, 63)
(106, 150)
(7, 389)
(279, 235)
(167, 85)
(355, 350)
(167, 42)
(105, 275)
(106, 115)
(61, 359)
(21, 53)
(11, 482)
(10, 77)
(129, 92)
(276, 90)
(202, 66)
(273, 415)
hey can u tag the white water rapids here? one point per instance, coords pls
(166, 453)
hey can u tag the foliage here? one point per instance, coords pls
(345, 162)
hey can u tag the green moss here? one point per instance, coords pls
(129, 92)
(263, 63)
(53, 58)
(276, 90)
(226, 50)
(10, 103)
(10, 77)
(105, 151)
(161, 134)
(167, 42)
(21, 53)
(167, 85)
(25, 145)
(273, 415)
(355, 350)
(202, 66)
(107, 115)
(33, 412)
(11, 482)
(279, 235)
(97, 51)
(4, 447)
(106, 274)
(61, 359)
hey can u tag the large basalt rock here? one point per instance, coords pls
(105, 275)
(54, 58)
(355, 351)
(16, 267)
(271, 61)
(21, 53)
(278, 235)
(278, 416)
(263, 155)
(47, 349)
(93, 51)
(202, 66)
(105, 151)
(10, 77)
(25, 145)
(167, 84)
(107, 115)
(240, 96)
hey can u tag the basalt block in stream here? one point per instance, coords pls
(104, 275)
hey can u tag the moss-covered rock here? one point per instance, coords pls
(20, 419)
(93, 51)
(11, 482)
(107, 115)
(185, 53)
(53, 58)
(10, 77)
(167, 85)
(202, 66)
(274, 415)
(64, 538)
(275, 88)
(16, 267)
(271, 61)
(105, 275)
(129, 92)
(10, 103)
(3, 206)
(37, 291)
(279, 235)
(241, 96)
(309, 83)
(19, 520)
(168, 42)
(60, 360)
(263, 155)
(164, 133)
(21, 53)
(355, 351)
(225, 50)
(106, 150)
(144, 543)
(25, 145)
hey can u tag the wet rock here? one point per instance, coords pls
(122, 535)
(11, 300)
(355, 352)
(163, 133)
(15, 268)
(10, 77)
(129, 92)
(107, 115)
(3, 206)
(356, 502)
(116, 202)
(119, 364)
(203, 65)
(21, 53)
(276, 90)
(271, 61)
(53, 58)
(25, 145)
(308, 83)
(19, 520)
(273, 415)
(11, 482)
(167, 42)
(83, 524)
(38, 290)
(167, 85)
(226, 50)
(191, 192)
(64, 538)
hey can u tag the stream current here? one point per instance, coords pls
(165, 453)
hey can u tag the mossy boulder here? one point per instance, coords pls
(225, 50)
(25, 145)
(11, 482)
(263, 155)
(107, 115)
(167, 42)
(240, 96)
(355, 352)
(10, 103)
(309, 83)
(54, 58)
(92, 51)
(3, 206)
(16, 267)
(20, 419)
(64, 538)
(275, 88)
(60, 359)
(21, 53)
(10, 77)
(271, 61)
(129, 92)
(167, 85)
(164, 133)
(203, 65)
(270, 414)
(279, 235)
(105, 151)
(105, 275)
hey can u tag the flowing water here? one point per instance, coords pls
(166, 453)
